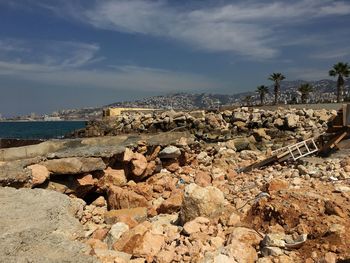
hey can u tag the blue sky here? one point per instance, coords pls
(69, 53)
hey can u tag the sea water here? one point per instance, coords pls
(38, 129)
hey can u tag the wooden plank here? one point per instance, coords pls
(332, 142)
(262, 163)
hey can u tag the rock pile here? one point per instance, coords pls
(184, 201)
(217, 126)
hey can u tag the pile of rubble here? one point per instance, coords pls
(217, 126)
(173, 198)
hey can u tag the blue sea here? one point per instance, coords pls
(38, 129)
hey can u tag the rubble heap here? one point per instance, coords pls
(178, 201)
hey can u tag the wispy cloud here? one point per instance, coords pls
(24, 55)
(245, 28)
(65, 64)
(337, 54)
(253, 29)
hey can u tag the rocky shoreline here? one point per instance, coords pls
(165, 188)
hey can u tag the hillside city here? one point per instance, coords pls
(323, 91)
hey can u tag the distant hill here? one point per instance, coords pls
(324, 91)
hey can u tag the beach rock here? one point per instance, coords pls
(16, 174)
(74, 165)
(46, 231)
(202, 201)
(170, 152)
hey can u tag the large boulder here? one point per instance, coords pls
(202, 201)
(38, 226)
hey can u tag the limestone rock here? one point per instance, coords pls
(74, 165)
(46, 231)
(292, 120)
(202, 201)
(117, 230)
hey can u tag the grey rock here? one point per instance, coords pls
(170, 152)
(39, 226)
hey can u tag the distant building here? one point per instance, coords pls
(111, 112)
(52, 118)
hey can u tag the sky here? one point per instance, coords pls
(82, 53)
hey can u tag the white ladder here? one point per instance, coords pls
(298, 150)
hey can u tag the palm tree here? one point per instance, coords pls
(342, 70)
(248, 100)
(305, 90)
(262, 90)
(277, 78)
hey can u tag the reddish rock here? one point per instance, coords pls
(138, 164)
(202, 179)
(172, 204)
(100, 234)
(112, 177)
(149, 246)
(150, 169)
(143, 189)
(277, 185)
(119, 198)
(86, 180)
(231, 175)
(39, 174)
(130, 216)
(154, 154)
(131, 238)
(199, 224)
(171, 165)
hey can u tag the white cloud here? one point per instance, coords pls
(245, 28)
(254, 29)
(44, 55)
